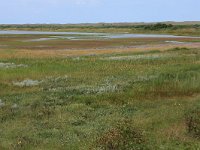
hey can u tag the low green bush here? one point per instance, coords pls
(193, 121)
(122, 137)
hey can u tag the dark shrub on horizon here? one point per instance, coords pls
(158, 26)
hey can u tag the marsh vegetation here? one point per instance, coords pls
(132, 100)
(78, 91)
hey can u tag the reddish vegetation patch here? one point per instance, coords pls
(64, 53)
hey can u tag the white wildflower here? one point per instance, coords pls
(11, 65)
(2, 104)
(27, 83)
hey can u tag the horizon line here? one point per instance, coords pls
(142, 22)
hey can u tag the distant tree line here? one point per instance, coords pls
(157, 26)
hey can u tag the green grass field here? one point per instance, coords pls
(137, 100)
(100, 94)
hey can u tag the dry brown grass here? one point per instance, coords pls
(22, 53)
(176, 131)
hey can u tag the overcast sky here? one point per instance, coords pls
(91, 11)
